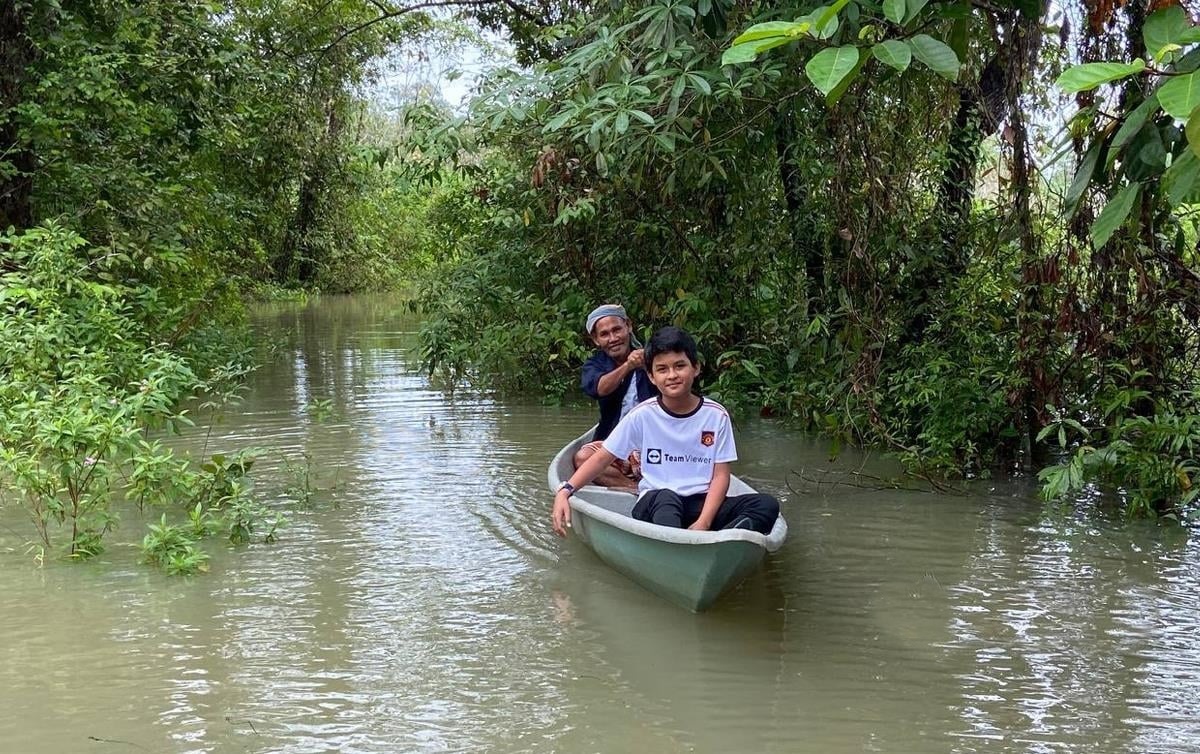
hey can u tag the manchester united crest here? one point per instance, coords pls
(707, 438)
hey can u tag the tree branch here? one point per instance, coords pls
(524, 12)
(390, 13)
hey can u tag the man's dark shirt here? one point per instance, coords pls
(596, 367)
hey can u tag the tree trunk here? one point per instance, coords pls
(811, 254)
(1038, 275)
(981, 109)
(982, 106)
(300, 259)
(17, 53)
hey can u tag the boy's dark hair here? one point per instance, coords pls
(671, 339)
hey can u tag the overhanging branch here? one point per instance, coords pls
(387, 13)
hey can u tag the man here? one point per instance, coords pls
(614, 377)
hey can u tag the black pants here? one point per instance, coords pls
(667, 508)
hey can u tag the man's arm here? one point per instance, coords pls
(609, 382)
(560, 515)
(713, 498)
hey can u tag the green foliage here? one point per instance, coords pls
(80, 383)
(1179, 96)
(936, 54)
(302, 486)
(1088, 76)
(1149, 152)
(893, 53)
(319, 409)
(469, 332)
(84, 382)
(173, 548)
(1153, 461)
(657, 184)
(832, 69)
(389, 239)
(244, 516)
(1114, 213)
(1167, 31)
(828, 67)
(805, 242)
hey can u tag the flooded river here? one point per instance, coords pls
(418, 601)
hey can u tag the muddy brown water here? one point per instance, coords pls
(419, 602)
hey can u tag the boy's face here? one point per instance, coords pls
(673, 374)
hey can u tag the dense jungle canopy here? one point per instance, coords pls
(963, 231)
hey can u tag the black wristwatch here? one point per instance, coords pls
(570, 488)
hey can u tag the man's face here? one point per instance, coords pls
(612, 335)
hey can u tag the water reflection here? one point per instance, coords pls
(1052, 618)
(419, 602)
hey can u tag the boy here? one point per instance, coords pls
(686, 444)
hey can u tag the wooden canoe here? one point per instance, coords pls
(690, 568)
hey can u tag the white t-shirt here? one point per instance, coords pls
(678, 451)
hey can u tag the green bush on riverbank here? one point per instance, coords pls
(89, 369)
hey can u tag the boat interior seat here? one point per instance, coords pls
(617, 502)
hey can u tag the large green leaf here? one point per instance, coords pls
(844, 84)
(828, 67)
(1145, 157)
(1192, 131)
(1134, 122)
(746, 52)
(936, 55)
(1179, 183)
(912, 8)
(1114, 214)
(743, 53)
(763, 45)
(1168, 30)
(830, 14)
(1081, 78)
(823, 24)
(894, 53)
(1180, 95)
(1083, 177)
(1162, 28)
(772, 29)
(893, 10)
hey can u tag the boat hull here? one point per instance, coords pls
(692, 576)
(689, 568)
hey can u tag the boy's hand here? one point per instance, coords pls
(560, 515)
(700, 525)
(635, 464)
